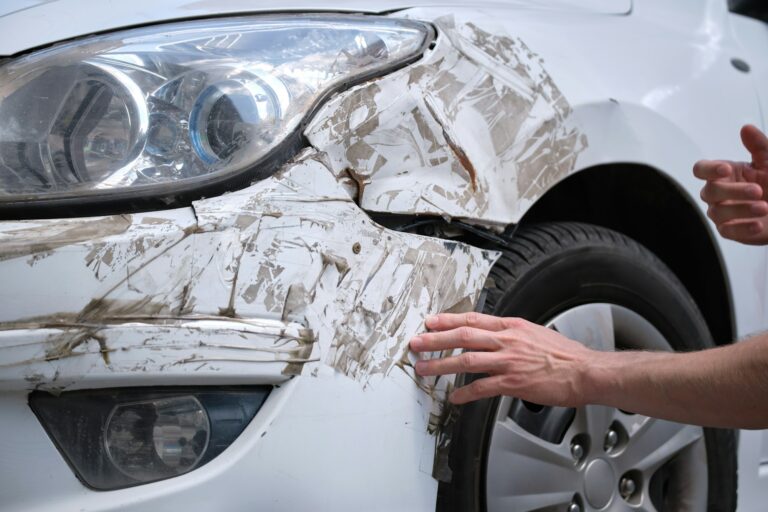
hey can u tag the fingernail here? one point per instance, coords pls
(755, 228)
(754, 191)
(419, 366)
(757, 208)
(723, 170)
(430, 320)
(416, 343)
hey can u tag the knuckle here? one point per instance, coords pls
(472, 318)
(466, 360)
(464, 334)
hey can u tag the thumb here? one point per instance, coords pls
(757, 143)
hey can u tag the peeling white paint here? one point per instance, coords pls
(173, 351)
(290, 276)
(476, 130)
(433, 138)
(293, 249)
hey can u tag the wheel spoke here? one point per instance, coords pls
(591, 324)
(652, 442)
(635, 332)
(526, 472)
(594, 420)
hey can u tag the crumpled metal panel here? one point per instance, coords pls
(475, 130)
(294, 250)
(308, 253)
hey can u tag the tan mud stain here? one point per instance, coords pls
(46, 236)
(480, 106)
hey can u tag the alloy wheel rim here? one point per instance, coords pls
(601, 459)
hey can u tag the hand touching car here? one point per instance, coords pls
(736, 192)
(510, 351)
(538, 364)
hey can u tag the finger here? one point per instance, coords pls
(757, 144)
(712, 170)
(446, 321)
(719, 191)
(723, 212)
(480, 388)
(744, 232)
(468, 362)
(467, 338)
(745, 172)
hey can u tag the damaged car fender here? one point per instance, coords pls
(475, 130)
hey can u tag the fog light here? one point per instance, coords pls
(157, 438)
(114, 438)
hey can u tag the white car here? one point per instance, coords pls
(222, 225)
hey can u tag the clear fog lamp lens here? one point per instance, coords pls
(157, 438)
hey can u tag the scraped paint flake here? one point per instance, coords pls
(475, 130)
(293, 249)
(478, 124)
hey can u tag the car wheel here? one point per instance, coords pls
(603, 289)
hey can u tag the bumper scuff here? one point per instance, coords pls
(293, 249)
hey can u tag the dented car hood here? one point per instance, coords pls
(28, 24)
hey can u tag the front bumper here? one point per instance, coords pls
(288, 283)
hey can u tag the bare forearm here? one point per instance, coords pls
(722, 387)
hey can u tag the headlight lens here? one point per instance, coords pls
(174, 107)
(116, 438)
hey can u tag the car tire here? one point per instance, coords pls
(550, 268)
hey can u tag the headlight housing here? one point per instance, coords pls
(115, 438)
(161, 110)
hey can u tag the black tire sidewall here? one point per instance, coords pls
(585, 275)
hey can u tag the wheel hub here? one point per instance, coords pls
(598, 479)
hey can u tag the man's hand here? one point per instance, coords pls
(736, 192)
(539, 365)
(521, 359)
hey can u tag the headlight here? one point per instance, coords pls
(171, 108)
(115, 438)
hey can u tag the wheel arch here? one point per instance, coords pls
(646, 205)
